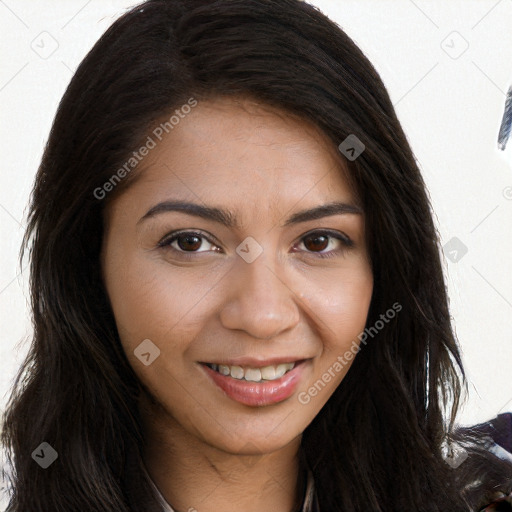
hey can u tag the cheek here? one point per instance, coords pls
(345, 311)
(150, 302)
(340, 302)
(341, 308)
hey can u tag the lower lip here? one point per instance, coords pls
(258, 394)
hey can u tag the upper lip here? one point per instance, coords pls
(254, 362)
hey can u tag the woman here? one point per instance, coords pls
(236, 286)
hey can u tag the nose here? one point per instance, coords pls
(260, 301)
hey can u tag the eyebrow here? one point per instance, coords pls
(226, 218)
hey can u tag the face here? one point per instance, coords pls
(235, 290)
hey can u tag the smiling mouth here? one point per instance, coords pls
(257, 386)
(246, 373)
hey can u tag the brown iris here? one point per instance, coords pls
(319, 242)
(189, 242)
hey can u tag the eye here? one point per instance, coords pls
(318, 241)
(186, 242)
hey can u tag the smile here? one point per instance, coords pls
(256, 387)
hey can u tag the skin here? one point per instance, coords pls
(204, 449)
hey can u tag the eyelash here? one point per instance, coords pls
(166, 242)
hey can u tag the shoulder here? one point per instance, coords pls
(491, 488)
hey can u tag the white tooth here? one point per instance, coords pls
(280, 370)
(268, 373)
(224, 369)
(253, 374)
(289, 366)
(237, 372)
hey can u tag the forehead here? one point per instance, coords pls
(233, 150)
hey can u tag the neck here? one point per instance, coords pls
(191, 474)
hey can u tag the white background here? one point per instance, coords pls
(449, 99)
